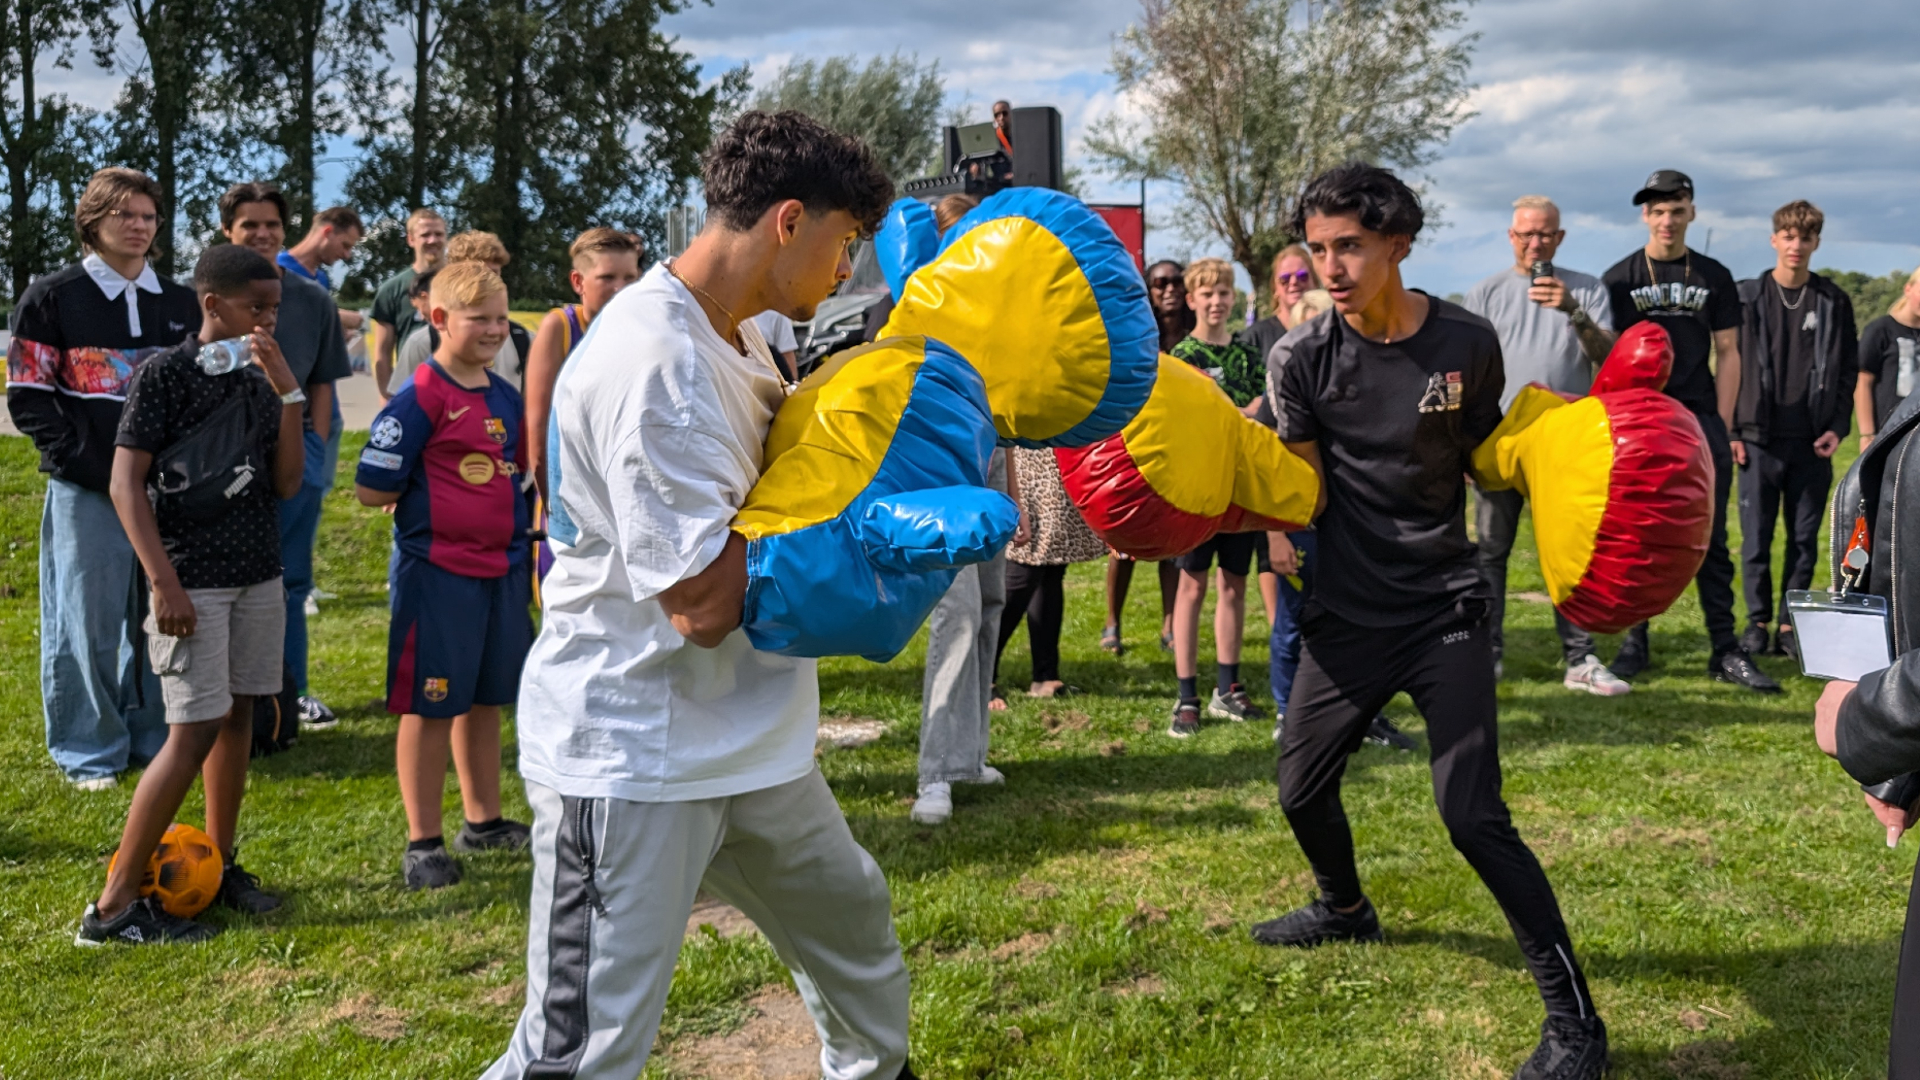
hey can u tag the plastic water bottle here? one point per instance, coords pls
(221, 357)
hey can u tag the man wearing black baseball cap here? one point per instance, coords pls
(1695, 300)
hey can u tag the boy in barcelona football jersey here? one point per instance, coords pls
(446, 453)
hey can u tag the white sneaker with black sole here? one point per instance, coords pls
(315, 715)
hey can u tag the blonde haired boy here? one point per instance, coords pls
(446, 453)
(604, 262)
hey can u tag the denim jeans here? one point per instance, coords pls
(299, 527)
(1283, 644)
(100, 697)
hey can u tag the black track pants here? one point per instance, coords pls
(1347, 674)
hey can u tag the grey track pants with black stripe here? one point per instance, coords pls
(614, 882)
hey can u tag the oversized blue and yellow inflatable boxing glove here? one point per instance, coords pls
(1030, 325)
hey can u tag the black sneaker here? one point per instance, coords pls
(506, 836)
(1570, 1049)
(1234, 705)
(1785, 644)
(1382, 732)
(1632, 659)
(144, 922)
(1754, 641)
(1737, 668)
(315, 714)
(431, 868)
(241, 891)
(1186, 719)
(1318, 923)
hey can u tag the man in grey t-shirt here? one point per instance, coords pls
(1555, 329)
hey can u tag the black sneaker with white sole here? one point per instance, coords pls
(241, 891)
(1739, 669)
(1186, 719)
(1318, 924)
(1570, 1049)
(1234, 705)
(143, 922)
(497, 835)
(315, 714)
(430, 868)
(1383, 732)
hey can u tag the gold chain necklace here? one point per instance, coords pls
(786, 388)
(1686, 270)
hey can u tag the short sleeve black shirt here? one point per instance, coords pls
(1787, 314)
(1690, 297)
(1396, 424)
(168, 398)
(1890, 352)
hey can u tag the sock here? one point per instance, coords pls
(1228, 677)
(1190, 688)
(488, 826)
(428, 844)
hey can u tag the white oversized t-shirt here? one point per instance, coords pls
(661, 428)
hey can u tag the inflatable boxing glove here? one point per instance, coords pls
(1620, 485)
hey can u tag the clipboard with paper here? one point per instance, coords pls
(1841, 635)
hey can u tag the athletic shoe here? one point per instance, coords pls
(1737, 668)
(431, 868)
(1570, 1049)
(315, 715)
(506, 836)
(322, 594)
(1499, 669)
(313, 606)
(1592, 676)
(1382, 732)
(989, 776)
(1186, 719)
(1785, 644)
(95, 783)
(1235, 705)
(142, 923)
(241, 891)
(1754, 641)
(935, 804)
(1631, 660)
(1318, 923)
(1279, 726)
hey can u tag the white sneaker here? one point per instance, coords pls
(319, 593)
(96, 783)
(989, 775)
(313, 606)
(935, 804)
(1592, 676)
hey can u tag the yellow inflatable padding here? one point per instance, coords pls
(1043, 352)
(1271, 480)
(1185, 440)
(829, 438)
(1560, 454)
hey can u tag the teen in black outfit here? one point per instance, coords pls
(1388, 401)
(1694, 299)
(1889, 361)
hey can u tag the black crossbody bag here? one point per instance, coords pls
(200, 475)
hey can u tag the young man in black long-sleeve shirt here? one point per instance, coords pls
(1388, 397)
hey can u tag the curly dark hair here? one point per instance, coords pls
(764, 158)
(1381, 200)
(227, 269)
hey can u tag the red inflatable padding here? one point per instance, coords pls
(1659, 512)
(1642, 358)
(1119, 504)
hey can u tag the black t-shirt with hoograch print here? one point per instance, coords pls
(1690, 297)
(1396, 425)
(168, 398)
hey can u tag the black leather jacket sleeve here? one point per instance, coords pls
(1878, 735)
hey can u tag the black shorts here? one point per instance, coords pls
(1236, 551)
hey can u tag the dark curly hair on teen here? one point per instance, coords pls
(764, 158)
(227, 270)
(1381, 200)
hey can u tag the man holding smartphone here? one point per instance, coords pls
(1555, 328)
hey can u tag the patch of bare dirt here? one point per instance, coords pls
(779, 1043)
(1705, 1061)
(1145, 914)
(1024, 946)
(1065, 720)
(1692, 1021)
(847, 732)
(1035, 890)
(1140, 986)
(1116, 748)
(513, 993)
(726, 920)
(369, 1019)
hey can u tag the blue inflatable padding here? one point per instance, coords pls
(862, 582)
(908, 238)
(1132, 335)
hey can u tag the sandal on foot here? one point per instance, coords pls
(1110, 641)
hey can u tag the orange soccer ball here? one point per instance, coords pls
(184, 872)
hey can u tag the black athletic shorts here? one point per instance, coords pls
(1236, 552)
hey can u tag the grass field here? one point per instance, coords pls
(1738, 913)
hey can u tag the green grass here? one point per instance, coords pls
(1735, 907)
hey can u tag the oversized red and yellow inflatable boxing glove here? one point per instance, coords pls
(1620, 484)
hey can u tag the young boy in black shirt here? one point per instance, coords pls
(1388, 397)
(218, 452)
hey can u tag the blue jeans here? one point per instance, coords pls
(1283, 645)
(98, 693)
(299, 527)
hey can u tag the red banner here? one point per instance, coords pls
(1128, 222)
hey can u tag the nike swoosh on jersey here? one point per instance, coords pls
(455, 414)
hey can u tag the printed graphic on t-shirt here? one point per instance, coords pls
(1443, 393)
(86, 370)
(1670, 298)
(387, 432)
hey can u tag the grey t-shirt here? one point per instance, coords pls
(308, 332)
(1539, 343)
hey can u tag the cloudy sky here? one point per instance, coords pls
(1760, 101)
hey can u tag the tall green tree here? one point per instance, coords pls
(43, 137)
(568, 113)
(169, 118)
(892, 102)
(1243, 101)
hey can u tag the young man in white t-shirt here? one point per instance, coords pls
(662, 753)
